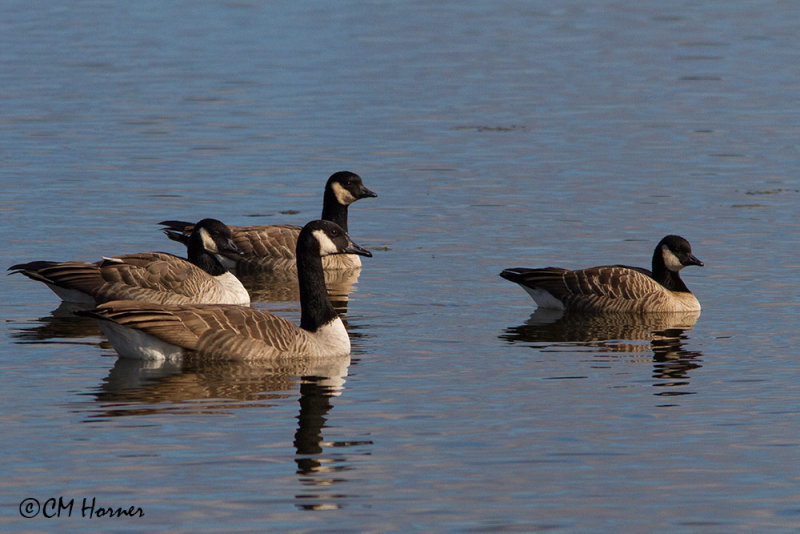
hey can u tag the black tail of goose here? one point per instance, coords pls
(149, 276)
(236, 332)
(615, 288)
(272, 247)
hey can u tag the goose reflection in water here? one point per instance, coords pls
(662, 334)
(135, 387)
(282, 286)
(61, 324)
(319, 469)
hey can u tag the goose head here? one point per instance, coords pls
(326, 238)
(346, 187)
(215, 237)
(675, 253)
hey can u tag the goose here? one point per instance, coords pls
(272, 247)
(149, 276)
(228, 332)
(615, 288)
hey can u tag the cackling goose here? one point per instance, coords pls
(272, 247)
(149, 276)
(615, 288)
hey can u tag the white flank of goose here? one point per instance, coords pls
(615, 288)
(152, 331)
(149, 276)
(272, 247)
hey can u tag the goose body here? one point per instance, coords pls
(152, 331)
(615, 288)
(149, 276)
(272, 247)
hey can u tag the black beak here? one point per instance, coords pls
(366, 193)
(352, 248)
(691, 259)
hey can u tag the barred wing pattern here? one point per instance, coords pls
(149, 276)
(609, 288)
(222, 332)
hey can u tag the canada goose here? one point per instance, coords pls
(272, 247)
(149, 276)
(615, 288)
(160, 332)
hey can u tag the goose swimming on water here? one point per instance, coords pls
(149, 276)
(272, 247)
(160, 332)
(615, 288)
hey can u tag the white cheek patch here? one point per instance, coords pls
(326, 246)
(208, 241)
(344, 196)
(671, 261)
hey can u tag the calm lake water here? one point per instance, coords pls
(496, 134)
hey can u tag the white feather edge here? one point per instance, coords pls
(543, 298)
(135, 344)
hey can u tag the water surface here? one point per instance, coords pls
(497, 134)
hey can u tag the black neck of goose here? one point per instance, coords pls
(669, 279)
(315, 306)
(198, 255)
(333, 211)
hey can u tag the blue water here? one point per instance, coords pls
(496, 134)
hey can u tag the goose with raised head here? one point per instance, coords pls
(615, 288)
(272, 247)
(161, 332)
(149, 276)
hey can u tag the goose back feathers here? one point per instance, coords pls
(272, 247)
(149, 276)
(615, 288)
(151, 331)
(217, 332)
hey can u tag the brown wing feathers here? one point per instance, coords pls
(608, 288)
(217, 331)
(150, 276)
(81, 275)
